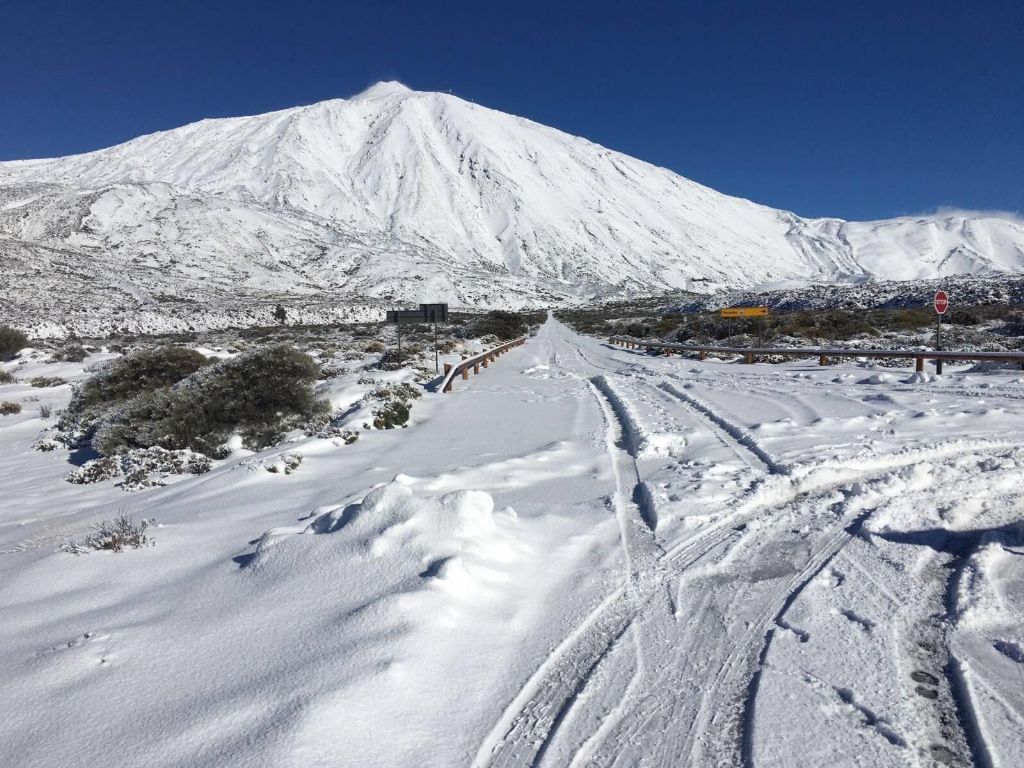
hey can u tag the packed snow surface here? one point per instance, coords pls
(396, 194)
(584, 556)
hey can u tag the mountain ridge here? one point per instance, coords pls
(397, 195)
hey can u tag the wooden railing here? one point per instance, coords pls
(824, 354)
(484, 359)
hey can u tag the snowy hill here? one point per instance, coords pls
(338, 207)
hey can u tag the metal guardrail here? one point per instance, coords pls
(824, 354)
(484, 359)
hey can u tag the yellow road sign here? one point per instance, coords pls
(744, 312)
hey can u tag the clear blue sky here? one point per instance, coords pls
(855, 109)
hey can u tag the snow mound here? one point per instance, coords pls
(455, 538)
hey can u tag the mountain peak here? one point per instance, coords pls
(383, 88)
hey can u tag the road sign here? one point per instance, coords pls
(744, 312)
(405, 316)
(941, 302)
(427, 313)
(435, 313)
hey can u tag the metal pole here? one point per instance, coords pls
(437, 367)
(938, 342)
(399, 324)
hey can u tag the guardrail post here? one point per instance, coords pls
(822, 359)
(918, 364)
(447, 368)
(484, 361)
(476, 368)
(749, 358)
(465, 374)
(702, 355)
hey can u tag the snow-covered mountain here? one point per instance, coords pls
(339, 207)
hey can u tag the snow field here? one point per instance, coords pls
(586, 557)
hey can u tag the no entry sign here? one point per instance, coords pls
(941, 302)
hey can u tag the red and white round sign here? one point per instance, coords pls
(941, 302)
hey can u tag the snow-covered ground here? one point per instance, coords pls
(584, 556)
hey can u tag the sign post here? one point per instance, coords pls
(427, 313)
(941, 305)
(758, 312)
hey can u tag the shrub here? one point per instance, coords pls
(45, 411)
(392, 414)
(11, 342)
(289, 463)
(46, 381)
(396, 392)
(373, 346)
(138, 467)
(260, 393)
(139, 372)
(6, 377)
(503, 325)
(115, 536)
(74, 353)
(8, 408)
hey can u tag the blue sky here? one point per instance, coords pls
(859, 110)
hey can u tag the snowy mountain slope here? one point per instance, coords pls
(402, 195)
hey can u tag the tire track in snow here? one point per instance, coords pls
(715, 731)
(849, 525)
(528, 725)
(732, 434)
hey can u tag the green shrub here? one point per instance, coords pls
(8, 408)
(392, 414)
(504, 325)
(261, 394)
(141, 371)
(46, 381)
(11, 342)
(75, 353)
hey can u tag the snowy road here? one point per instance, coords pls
(585, 556)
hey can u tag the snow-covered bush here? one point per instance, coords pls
(46, 381)
(139, 372)
(288, 463)
(327, 427)
(503, 325)
(173, 399)
(74, 353)
(95, 471)
(11, 342)
(141, 468)
(114, 536)
(391, 415)
(6, 377)
(395, 405)
(8, 408)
